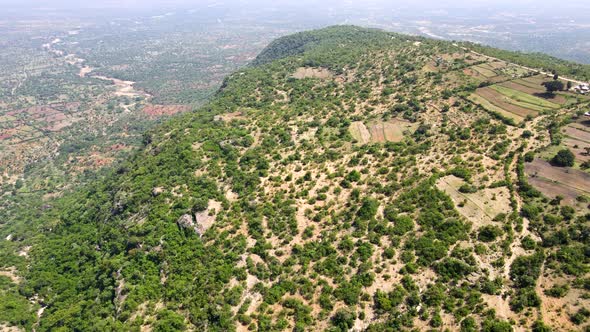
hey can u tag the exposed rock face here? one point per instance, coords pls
(186, 221)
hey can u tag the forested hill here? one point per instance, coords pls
(352, 179)
(331, 37)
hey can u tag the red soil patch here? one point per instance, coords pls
(163, 110)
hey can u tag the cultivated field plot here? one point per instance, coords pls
(479, 100)
(535, 82)
(29, 123)
(486, 72)
(535, 91)
(577, 138)
(552, 181)
(507, 104)
(515, 100)
(481, 207)
(457, 78)
(525, 100)
(379, 132)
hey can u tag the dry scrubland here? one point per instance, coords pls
(350, 179)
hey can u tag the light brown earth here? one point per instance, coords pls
(553, 309)
(311, 72)
(162, 110)
(481, 207)
(227, 117)
(379, 132)
(10, 273)
(359, 131)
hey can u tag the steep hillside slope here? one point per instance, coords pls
(353, 179)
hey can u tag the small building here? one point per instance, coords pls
(581, 88)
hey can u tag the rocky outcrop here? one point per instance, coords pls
(186, 221)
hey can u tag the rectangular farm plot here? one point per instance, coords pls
(485, 71)
(479, 100)
(507, 104)
(577, 139)
(473, 74)
(576, 132)
(381, 131)
(552, 181)
(536, 91)
(525, 100)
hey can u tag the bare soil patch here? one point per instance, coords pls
(229, 116)
(10, 273)
(481, 207)
(312, 72)
(162, 110)
(552, 181)
(555, 311)
(578, 133)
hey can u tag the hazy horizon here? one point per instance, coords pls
(530, 26)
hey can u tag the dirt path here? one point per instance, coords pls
(19, 84)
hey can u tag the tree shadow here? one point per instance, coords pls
(545, 95)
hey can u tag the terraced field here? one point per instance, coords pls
(577, 139)
(525, 100)
(553, 181)
(521, 97)
(487, 105)
(506, 103)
